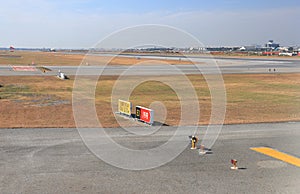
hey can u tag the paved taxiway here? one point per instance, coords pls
(57, 161)
(202, 66)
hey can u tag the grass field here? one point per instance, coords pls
(47, 101)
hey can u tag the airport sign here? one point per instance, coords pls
(144, 114)
(124, 107)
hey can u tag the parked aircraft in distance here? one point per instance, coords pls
(11, 49)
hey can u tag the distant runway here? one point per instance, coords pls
(57, 161)
(225, 66)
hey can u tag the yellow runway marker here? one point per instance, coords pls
(278, 155)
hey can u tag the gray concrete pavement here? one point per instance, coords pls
(226, 65)
(57, 161)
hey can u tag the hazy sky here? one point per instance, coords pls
(82, 23)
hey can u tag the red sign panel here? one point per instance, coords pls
(144, 114)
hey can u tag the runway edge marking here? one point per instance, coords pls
(278, 155)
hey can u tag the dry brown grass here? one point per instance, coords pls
(35, 101)
(57, 58)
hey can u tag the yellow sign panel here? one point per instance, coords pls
(124, 107)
